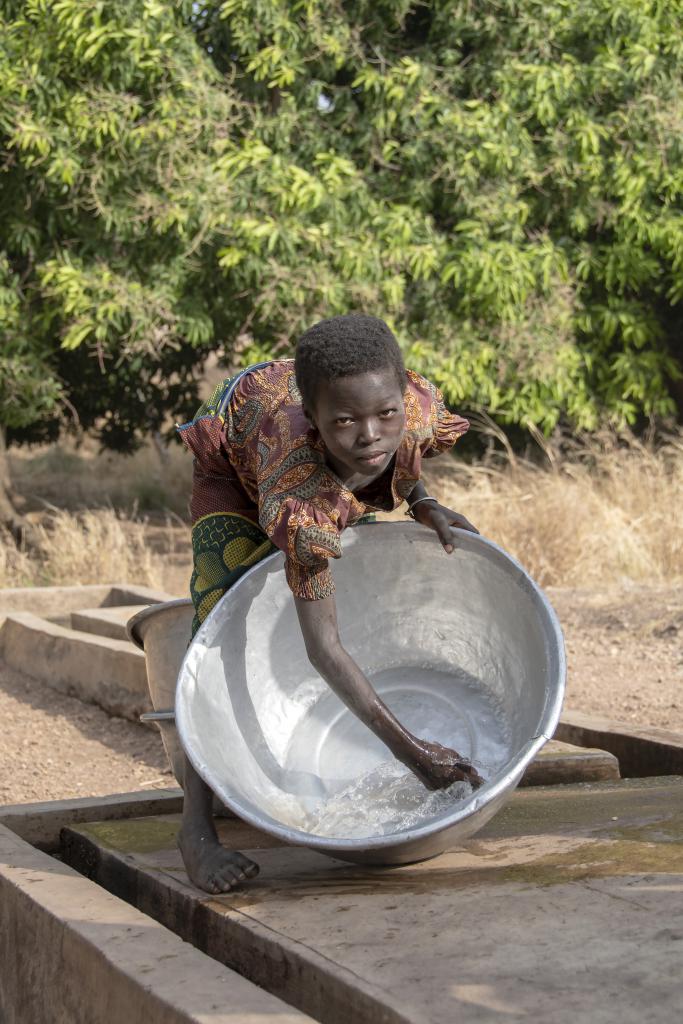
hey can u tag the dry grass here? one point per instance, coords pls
(89, 547)
(607, 510)
(81, 477)
(15, 570)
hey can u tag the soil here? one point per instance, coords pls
(54, 747)
(625, 652)
(625, 656)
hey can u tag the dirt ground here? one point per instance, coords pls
(625, 656)
(56, 746)
(625, 652)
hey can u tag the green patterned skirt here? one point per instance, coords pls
(223, 548)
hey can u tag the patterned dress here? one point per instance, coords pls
(261, 481)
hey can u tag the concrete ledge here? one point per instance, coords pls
(59, 600)
(40, 823)
(96, 669)
(641, 751)
(71, 953)
(131, 593)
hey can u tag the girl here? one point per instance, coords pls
(287, 455)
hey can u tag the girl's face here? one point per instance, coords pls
(361, 420)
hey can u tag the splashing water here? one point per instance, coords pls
(387, 799)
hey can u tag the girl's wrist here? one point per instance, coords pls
(403, 745)
(424, 514)
(420, 503)
(410, 752)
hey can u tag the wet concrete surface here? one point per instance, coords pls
(568, 907)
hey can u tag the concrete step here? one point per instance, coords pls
(109, 622)
(562, 763)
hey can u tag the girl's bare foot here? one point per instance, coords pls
(209, 865)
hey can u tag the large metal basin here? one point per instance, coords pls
(464, 648)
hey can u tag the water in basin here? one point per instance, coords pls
(368, 793)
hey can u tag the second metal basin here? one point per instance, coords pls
(163, 631)
(465, 649)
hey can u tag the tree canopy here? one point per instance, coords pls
(502, 181)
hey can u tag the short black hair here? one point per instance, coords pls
(343, 346)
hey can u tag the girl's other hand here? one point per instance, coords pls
(441, 519)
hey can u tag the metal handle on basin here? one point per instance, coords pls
(158, 716)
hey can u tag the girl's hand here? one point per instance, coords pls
(441, 519)
(437, 767)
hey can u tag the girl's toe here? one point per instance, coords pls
(228, 879)
(248, 867)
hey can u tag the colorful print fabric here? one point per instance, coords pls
(223, 548)
(258, 456)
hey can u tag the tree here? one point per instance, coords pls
(511, 180)
(501, 181)
(109, 119)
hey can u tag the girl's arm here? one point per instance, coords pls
(434, 765)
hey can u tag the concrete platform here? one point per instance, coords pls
(567, 907)
(96, 669)
(90, 658)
